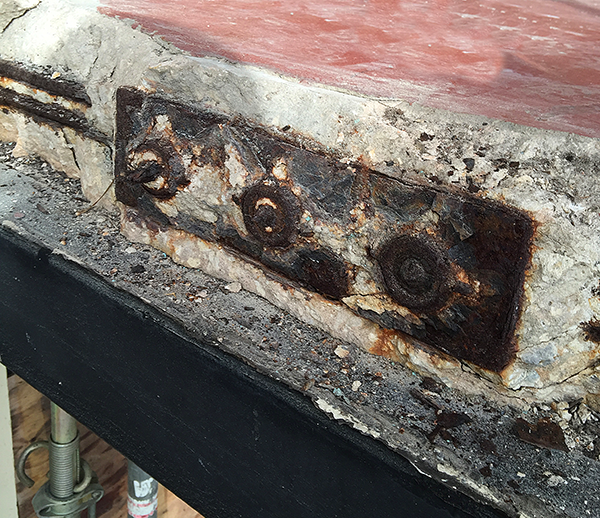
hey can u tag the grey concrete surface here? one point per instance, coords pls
(483, 457)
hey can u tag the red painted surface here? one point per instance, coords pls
(534, 62)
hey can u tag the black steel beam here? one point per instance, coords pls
(228, 440)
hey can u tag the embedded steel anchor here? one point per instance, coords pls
(427, 265)
(73, 486)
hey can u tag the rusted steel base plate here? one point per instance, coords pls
(445, 268)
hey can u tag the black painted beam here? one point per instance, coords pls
(228, 440)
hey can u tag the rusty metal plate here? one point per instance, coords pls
(46, 96)
(445, 268)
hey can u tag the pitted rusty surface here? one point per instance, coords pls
(47, 96)
(446, 269)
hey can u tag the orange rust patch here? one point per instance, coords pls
(384, 345)
(439, 359)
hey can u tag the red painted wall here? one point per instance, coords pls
(534, 62)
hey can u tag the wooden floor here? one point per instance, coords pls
(30, 413)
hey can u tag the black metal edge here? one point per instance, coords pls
(371, 477)
(52, 114)
(42, 78)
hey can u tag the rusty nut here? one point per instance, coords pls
(271, 215)
(157, 169)
(416, 272)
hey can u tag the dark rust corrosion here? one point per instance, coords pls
(44, 79)
(158, 169)
(591, 330)
(323, 272)
(416, 272)
(47, 97)
(446, 268)
(544, 433)
(271, 214)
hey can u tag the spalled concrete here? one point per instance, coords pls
(550, 175)
(480, 453)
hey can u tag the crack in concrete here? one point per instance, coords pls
(492, 387)
(95, 59)
(571, 376)
(72, 148)
(25, 11)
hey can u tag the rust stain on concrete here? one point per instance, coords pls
(384, 345)
(440, 267)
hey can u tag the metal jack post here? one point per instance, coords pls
(142, 493)
(73, 486)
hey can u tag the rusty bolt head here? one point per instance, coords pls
(416, 272)
(271, 215)
(158, 169)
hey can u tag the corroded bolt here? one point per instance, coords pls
(271, 214)
(416, 272)
(414, 276)
(145, 165)
(157, 168)
(268, 216)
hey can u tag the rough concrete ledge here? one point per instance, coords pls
(550, 175)
(472, 442)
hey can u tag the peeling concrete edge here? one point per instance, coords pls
(466, 484)
(446, 473)
(11, 225)
(21, 232)
(349, 419)
(484, 493)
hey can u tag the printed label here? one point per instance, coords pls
(142, 488)
(142, 508)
